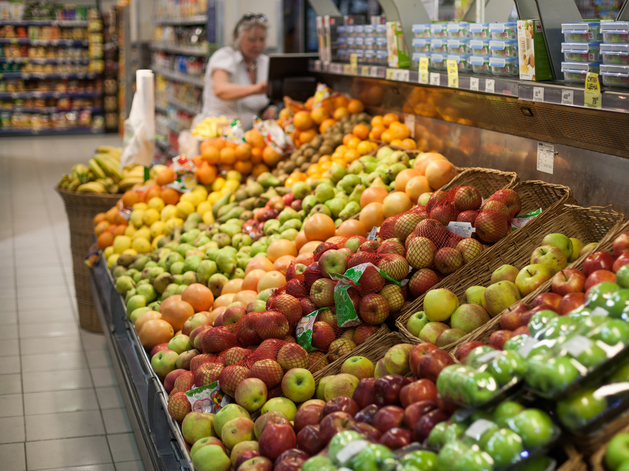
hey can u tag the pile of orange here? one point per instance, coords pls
(107, 226)
(389, 129)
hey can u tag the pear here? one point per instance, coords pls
(205, 270)
(149, 293)
(189, 278)
(170, 290)
(126, 259)
(154, 272)
(189, 236)
(308, 203)
(176, 268)
(216, 283)
(191, 263)
(140, 262)
(172, 258)
(162, 281)
(124, 283)
(351, 209)
(118, 272)
(180, 289)
(177, 279)
(324, 192)
(221, 239)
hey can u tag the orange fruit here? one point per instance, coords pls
(386, 136)
(340, 101)
(396, 203)
(256, 155)
(170, 196)
(282, 263)
(270, 157)
(271, 279)
(176, 313)
(373, 194)
(340, 112)
(364, 148)
(355, 106)
(361, 131)
(99, 218)
(205, 174)
(106, 239)
(154, 332)
(284, 113)
(129, 198)
(101, 227)
(309, 103)
(351, 155)
(252, 278)
(230, 144)
(399, 130)
(259, 169)
(216, 142)
(377, 121)
(416, 186)
(376, 131)
(325, 124)
(228, 155)
(372, 215)
(303, 120)
(259, 262)
(168, 174)
(118, 229)
(409, 143)
(389, 118)
(440, 172)
(319, 115)
(255, 139)
(243, 152)
(281, 247)
(353, 143)
(352, 227)
(243, 167)
(425, 159)
(319, 227)
(198, 296)
(307, 136)
(404, 177)
(112, 215)
(347, 138)
(396, 142)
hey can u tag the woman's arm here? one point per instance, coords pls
(225, 90)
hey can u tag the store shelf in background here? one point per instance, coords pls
(183, 106)
(189, 51)
(66, 23)
(51, 110)
(46, 42)
(193, 20)
(36, 94)
(48, 132)
(32, 60)
(161, 107)
(38, 76)
(177, 77)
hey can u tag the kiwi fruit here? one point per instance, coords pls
(289, 167)
(315, 158)
(326, 149)
(301, 160)
(309, 153)
(305, 166)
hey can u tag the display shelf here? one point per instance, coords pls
(161, 107)
(193, 20)
(175, 127)
(37, 94)
(192, 110)
(542, 92)
(60, 60)
(63, 23)
(46, 42)
(178, 77)
(40, 76)
(52, 109)
(48, 132)
(189, 51)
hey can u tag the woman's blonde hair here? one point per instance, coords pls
(247, 22)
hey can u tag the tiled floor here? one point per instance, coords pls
(60, 405)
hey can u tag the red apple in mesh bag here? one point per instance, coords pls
(467, 216)
(467, 198)
(510, 199)
(421, 281)
(491, 226)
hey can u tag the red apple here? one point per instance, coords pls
(158, 348)
(552, 299)
(599, 276)
(308, 415)
(291, 460)
(421, 390)
(276, 439)
(621, 244)
(623, 259)
(568, 280)
(245, 456)
(499, 338)
(366, 415)
(523, 330)
(464, 349)
(510, 318)
(413, 412)
(418, 352)
(334, 423)
(257, 463)
(340, 404)
(363, 394)
(426, 423)
(526, 317)
(432, 364)
(387, 418)
(309, 440)
(446, 406)
(387, 389)
(197, 331)
(169, 380)
(396, 438)
(570, 302)
(368, 430)
(597, 261)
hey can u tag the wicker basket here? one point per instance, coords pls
(534, 195)
(81, 209)
(485, 180)
(588, 224)
(595, 445)
(575, 460)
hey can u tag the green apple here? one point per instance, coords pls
(450, 454)
(474, 461)
(617, 451)
(551, 256)
(163, 362)
(599, 294)
(436, 437)
(500, 296)
(591, 356)
(421, 459)
(227, 413)
(397, 357)
(577, 246)
(580, 408)
(539, 320)
(507, 366)
(180, 343)
(211, 458)
(504, 273)
(298, 385)
(534, 426)
(504, 446)
(505, 411)
(475, 295)
(622, 276)
(340, 441)
(479, 387)
(358, 366)
(237, 430)
(197, 425)
(320, 394)
(453, 432)
(489, 429)
(532, 277)
(203, 442)
(561, 241)
(372, 458)
(440, 304)
(431, 332)
(552, 375)
(479, 351)
(241, 448)
(621, 375)
(558, 327)
(281, 404)
(612, 332)
(340, 385)
(319, 463)
(514, 343)
(417, 322)
(617, 303)
(251, 393)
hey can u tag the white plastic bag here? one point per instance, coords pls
(189, 145)
(139, 134)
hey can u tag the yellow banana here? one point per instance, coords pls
(96, 170)
(109, 168)
(128, 182)
(92, 187)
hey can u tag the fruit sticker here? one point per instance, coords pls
(208, 398)
(184, 169)
(518, 222)
(304, 330)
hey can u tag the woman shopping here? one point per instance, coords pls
(236, 76)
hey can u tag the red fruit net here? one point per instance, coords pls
(267, 350)
(401, 225)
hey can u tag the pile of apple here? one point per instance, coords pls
(508, 286)
(617, 453)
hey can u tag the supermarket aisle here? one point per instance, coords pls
(60, 406)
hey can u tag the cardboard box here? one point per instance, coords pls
(532, 53)
(398, 53)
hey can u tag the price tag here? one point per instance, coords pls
(423, 70)
(353, 64)
(577, 345)
(474, 83)
(567, 97)
(592, 95)
(538, 94)
(402, 75)
(373, 71)
(317, 65)
(462, 229)
(490, 86)
(347, 69)
(478, 428)
(350, 450)
(409, 122)
(373, 234)
(364, 71)
(545, 157)
(390, 74)
(487, 357)
(528, 345)
(435, 78)
(599, 311)
(453, 73)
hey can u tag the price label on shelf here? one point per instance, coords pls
(373, 71)
(474, 83)
(353, 64)
(545, 157)
(364, 71)
(592, 95)
(423, 70)
(390, 74)
(435, 78)
(402, 75)
(538, 94)
(347, 69)
(490, 86)
(409, 122)
(453, 73)
(567, 97)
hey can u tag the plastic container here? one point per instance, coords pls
(341, 30)
(351, 42)
(381, 30)
(615, 75)
(462, 62)
(575, 72)
(479, 30)
(504, 66)
(342, 54)
(438, 46)
(438, 62)
(459, 30)
(421, 44)
(382, 56)
(421, 31)
(459, 46)
(370, 42)
(369, 56)
(582, 32)
(381, 43)
(500, 48)
(480, 64)
(370, 30)
(479, 47)
(615, 31)
(415, 58)
(360, 42)
(359, 30)
(439, 30)
(615, 53)
(506, 31)
(349, 30)
(581, 52)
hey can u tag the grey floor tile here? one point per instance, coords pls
(8, 306)
(53, 402)
(38, 304)
(66, 425)
(53, 362)
(8, 318)
(51, 454)
(110, 398)
(93, 341)
(10, 365)
(130, 466)
(104, 377)
(50, 345)
(13, 457)
(92, 467)
(57, 329)
(98, 359)
(8, 332)
(11, 405)
(46, 270)
(123, 447)
(9, 347)
(55, 290)
(12, 430)
(46, 317)
(40, 280)
(117, 421)
(11, 384)
(56, 380)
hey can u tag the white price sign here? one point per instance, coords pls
(402, 75)
(567, 97)
(409, 122)
(474, 83)
(545, 157)
(435, 79)
(538, 94)
(490, 86)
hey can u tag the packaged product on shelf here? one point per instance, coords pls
(507, 31)
(382, 57)
(438, 62)
(504, 66)
(439, 30)
(439, 46)
(459, 46)
(581, 52)
(615, 75)
(479, 30)
(421, 44)
(480, 64)
(615, 31)
(416, 57)
(585, 32)
(534, 63)
(458, 30)
(398, 54)
(614, 53)
(500, 48)
(576, 72)
(381, 43)
(462, 62)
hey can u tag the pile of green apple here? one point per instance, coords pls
(617, 453)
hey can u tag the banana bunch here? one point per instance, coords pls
(131, 176)
(101, 175)
(210, 127)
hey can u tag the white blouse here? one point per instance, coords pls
(232, 62)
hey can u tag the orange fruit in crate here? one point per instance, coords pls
(416, 186)
(389, 118)
(355, 106)
(255, 139)
(376, 132)
(105, 240)
(425, 159)
(270, 157)
(112, 215)
(217, 142)
(129, 198)
(361, 131)
(340, 112)
(409, 143)
(439, 172)
(351, 155)
(170, 196)
(154, 332)
(205, 174)
(327, 123)
(396, 142)
(284, 113)
(347, 138)
(243, 167)
(303, 120)
(243, 152)
(230, 144)
(228, 155)
(399, 130)
(256, 155)
(340, 101)
(309, 103)
(211, 154)
(153, 192)
(118, 229)
(319, 115)
(386, 136)
(364, 148)
(353, 143)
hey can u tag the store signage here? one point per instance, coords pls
(364, 71)
(423, 70)
(592, 95)
(353, 64)
(474, 82)
(490, 86)
(538, 94)
(545, 157)
(453, 73)
(435, 78)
